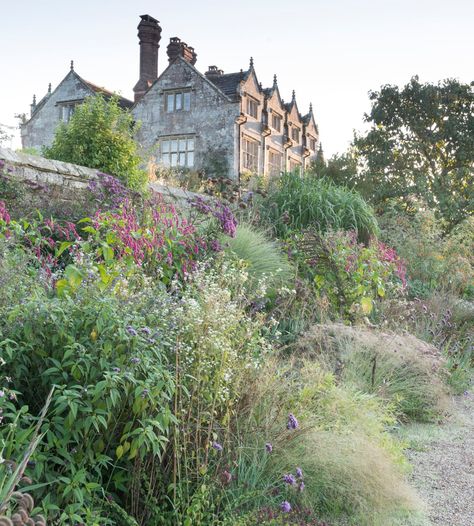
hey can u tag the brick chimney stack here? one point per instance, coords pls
(178, 48)
(213, 72)
(149, 36)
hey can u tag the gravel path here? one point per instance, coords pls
(443, 465)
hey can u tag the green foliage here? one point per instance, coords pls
(263, 259)
(308, 202)
(421, 143)
(434, 261)
(352, 276)
(100, 135)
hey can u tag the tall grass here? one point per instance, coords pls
(264, 259)
(301, 202)
(401, 369)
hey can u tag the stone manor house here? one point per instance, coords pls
(218, 122)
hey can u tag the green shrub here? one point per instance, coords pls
(296, 203)
(402, 370)
(263, 259)
(352, 276)
(100, 135)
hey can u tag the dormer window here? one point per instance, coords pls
(252, 107)
(295, 134)
(276, 122)
(178, 101)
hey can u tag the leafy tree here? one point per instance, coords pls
(421, 143)
(100, 135)
(4, 135)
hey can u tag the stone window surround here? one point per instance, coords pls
(66, 108)
(250, 159)
(177, 91)
(249, 99)
(311, 142)
(274, 168)
(184, 153)
(276, 116)
(295, 132)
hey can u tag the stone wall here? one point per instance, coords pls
(57, 188)
(44, 184)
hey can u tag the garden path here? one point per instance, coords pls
(443, 464)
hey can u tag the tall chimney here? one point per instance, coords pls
(178, 48)
(149, 36)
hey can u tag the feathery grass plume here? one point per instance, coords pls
(263, 258)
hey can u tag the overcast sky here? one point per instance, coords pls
(331, 52)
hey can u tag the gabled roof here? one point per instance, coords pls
(123, 102)
(93, 88)
(197, 72)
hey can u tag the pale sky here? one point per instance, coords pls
(330, 52)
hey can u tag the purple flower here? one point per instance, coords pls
(135, 360)
(217, 446)
(131, 331)
(268, 447)
(292, 422)
(2, 394)
(145, 393)
(299, 473)
(116, 369)
(216, 245)
(301, 486)
(285, 506)
(289, 479)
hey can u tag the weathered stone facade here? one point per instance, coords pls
(217, 123)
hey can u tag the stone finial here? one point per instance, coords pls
(275, 80)
(34, 100)
(72, 65)
(49, 88)
(251, 63)
(293, 96)
(260, 86)
(311, 107)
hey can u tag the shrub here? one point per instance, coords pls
(297, 203)
(263, 259)
(400, 369)
(351, 275)
(100, 135)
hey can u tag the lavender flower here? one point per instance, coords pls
(299, 473)
(292, 422)
(2, 393)
(116, 369)
(289, 479)
(145, 393)
(217, 446)
(285, 506)
(301, 486)
(131, 331)
(268, 447)
(146, 330)
(135, 360)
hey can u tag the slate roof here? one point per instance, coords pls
(123, 102)
(229, 82)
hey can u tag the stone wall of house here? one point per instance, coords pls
(210, 119)
(40, 129)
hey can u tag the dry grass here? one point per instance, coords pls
(400, 368)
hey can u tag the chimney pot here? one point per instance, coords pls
(178, 48)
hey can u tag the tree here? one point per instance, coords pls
(421, 143)
(100, 135)
(4, 135)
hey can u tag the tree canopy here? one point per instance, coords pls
(420, 143)
(100, 135)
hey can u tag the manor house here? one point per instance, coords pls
(218, 122)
